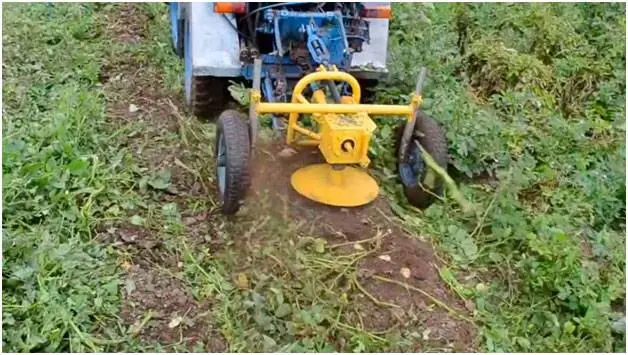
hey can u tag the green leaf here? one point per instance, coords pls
(7, 319)
(77, 166)
(568, 327)
(264, 321)
(523, 342)
(161, 181)
(386, 132)
(111, 287)
(278, 294)
(469, 248)
(269, 344)
(169, 209)
(283, 310)
(137, 220)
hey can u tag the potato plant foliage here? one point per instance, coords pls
(533, 100)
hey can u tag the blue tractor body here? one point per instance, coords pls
(291, 38)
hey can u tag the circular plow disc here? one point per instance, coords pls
(342, 186)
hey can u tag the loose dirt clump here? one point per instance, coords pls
(127, 236)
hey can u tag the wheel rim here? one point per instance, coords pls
(413, 169)
(221, 165)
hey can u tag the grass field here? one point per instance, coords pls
(112, 240)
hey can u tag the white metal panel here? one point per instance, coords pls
(373, 55)
(215, 44)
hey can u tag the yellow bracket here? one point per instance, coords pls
(343, 132)
(320, 110)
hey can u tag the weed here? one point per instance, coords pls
(61, 176)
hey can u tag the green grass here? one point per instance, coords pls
(537, 101)
(62, 176)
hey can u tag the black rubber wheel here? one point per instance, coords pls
(232, 160)
(207, 96)
(431, 136)
(204, 95)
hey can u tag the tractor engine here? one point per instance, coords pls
(305, 34)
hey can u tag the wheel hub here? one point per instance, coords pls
(411, 170)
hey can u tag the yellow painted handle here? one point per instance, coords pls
(297, 96)
(329, 75)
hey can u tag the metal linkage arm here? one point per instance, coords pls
(409, 127)
(255, 99)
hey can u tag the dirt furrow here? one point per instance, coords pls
(396, 284)
(158, 306)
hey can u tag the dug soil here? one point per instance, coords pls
(404, 271)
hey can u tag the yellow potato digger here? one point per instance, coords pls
(302, 61)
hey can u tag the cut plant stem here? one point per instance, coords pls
(82, 336)
(371, 297)
(456, 194)
(379, 236)
(356, 330)
(432, 298)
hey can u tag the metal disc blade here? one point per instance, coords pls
(347, 187)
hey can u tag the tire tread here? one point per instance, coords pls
(237, 144)
(432, 138)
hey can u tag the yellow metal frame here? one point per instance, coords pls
(343, 133)
(300, 105)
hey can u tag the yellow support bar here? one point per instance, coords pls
(397, 110)
(314, 136)
(301, 99)
(323, 75)
(349, 105)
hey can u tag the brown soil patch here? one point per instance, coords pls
(173, 314)
(155, 303)
(136, 94)
(399, 250)
(129, 24)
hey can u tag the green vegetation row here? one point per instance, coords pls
(63, 175)
(533, 100)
